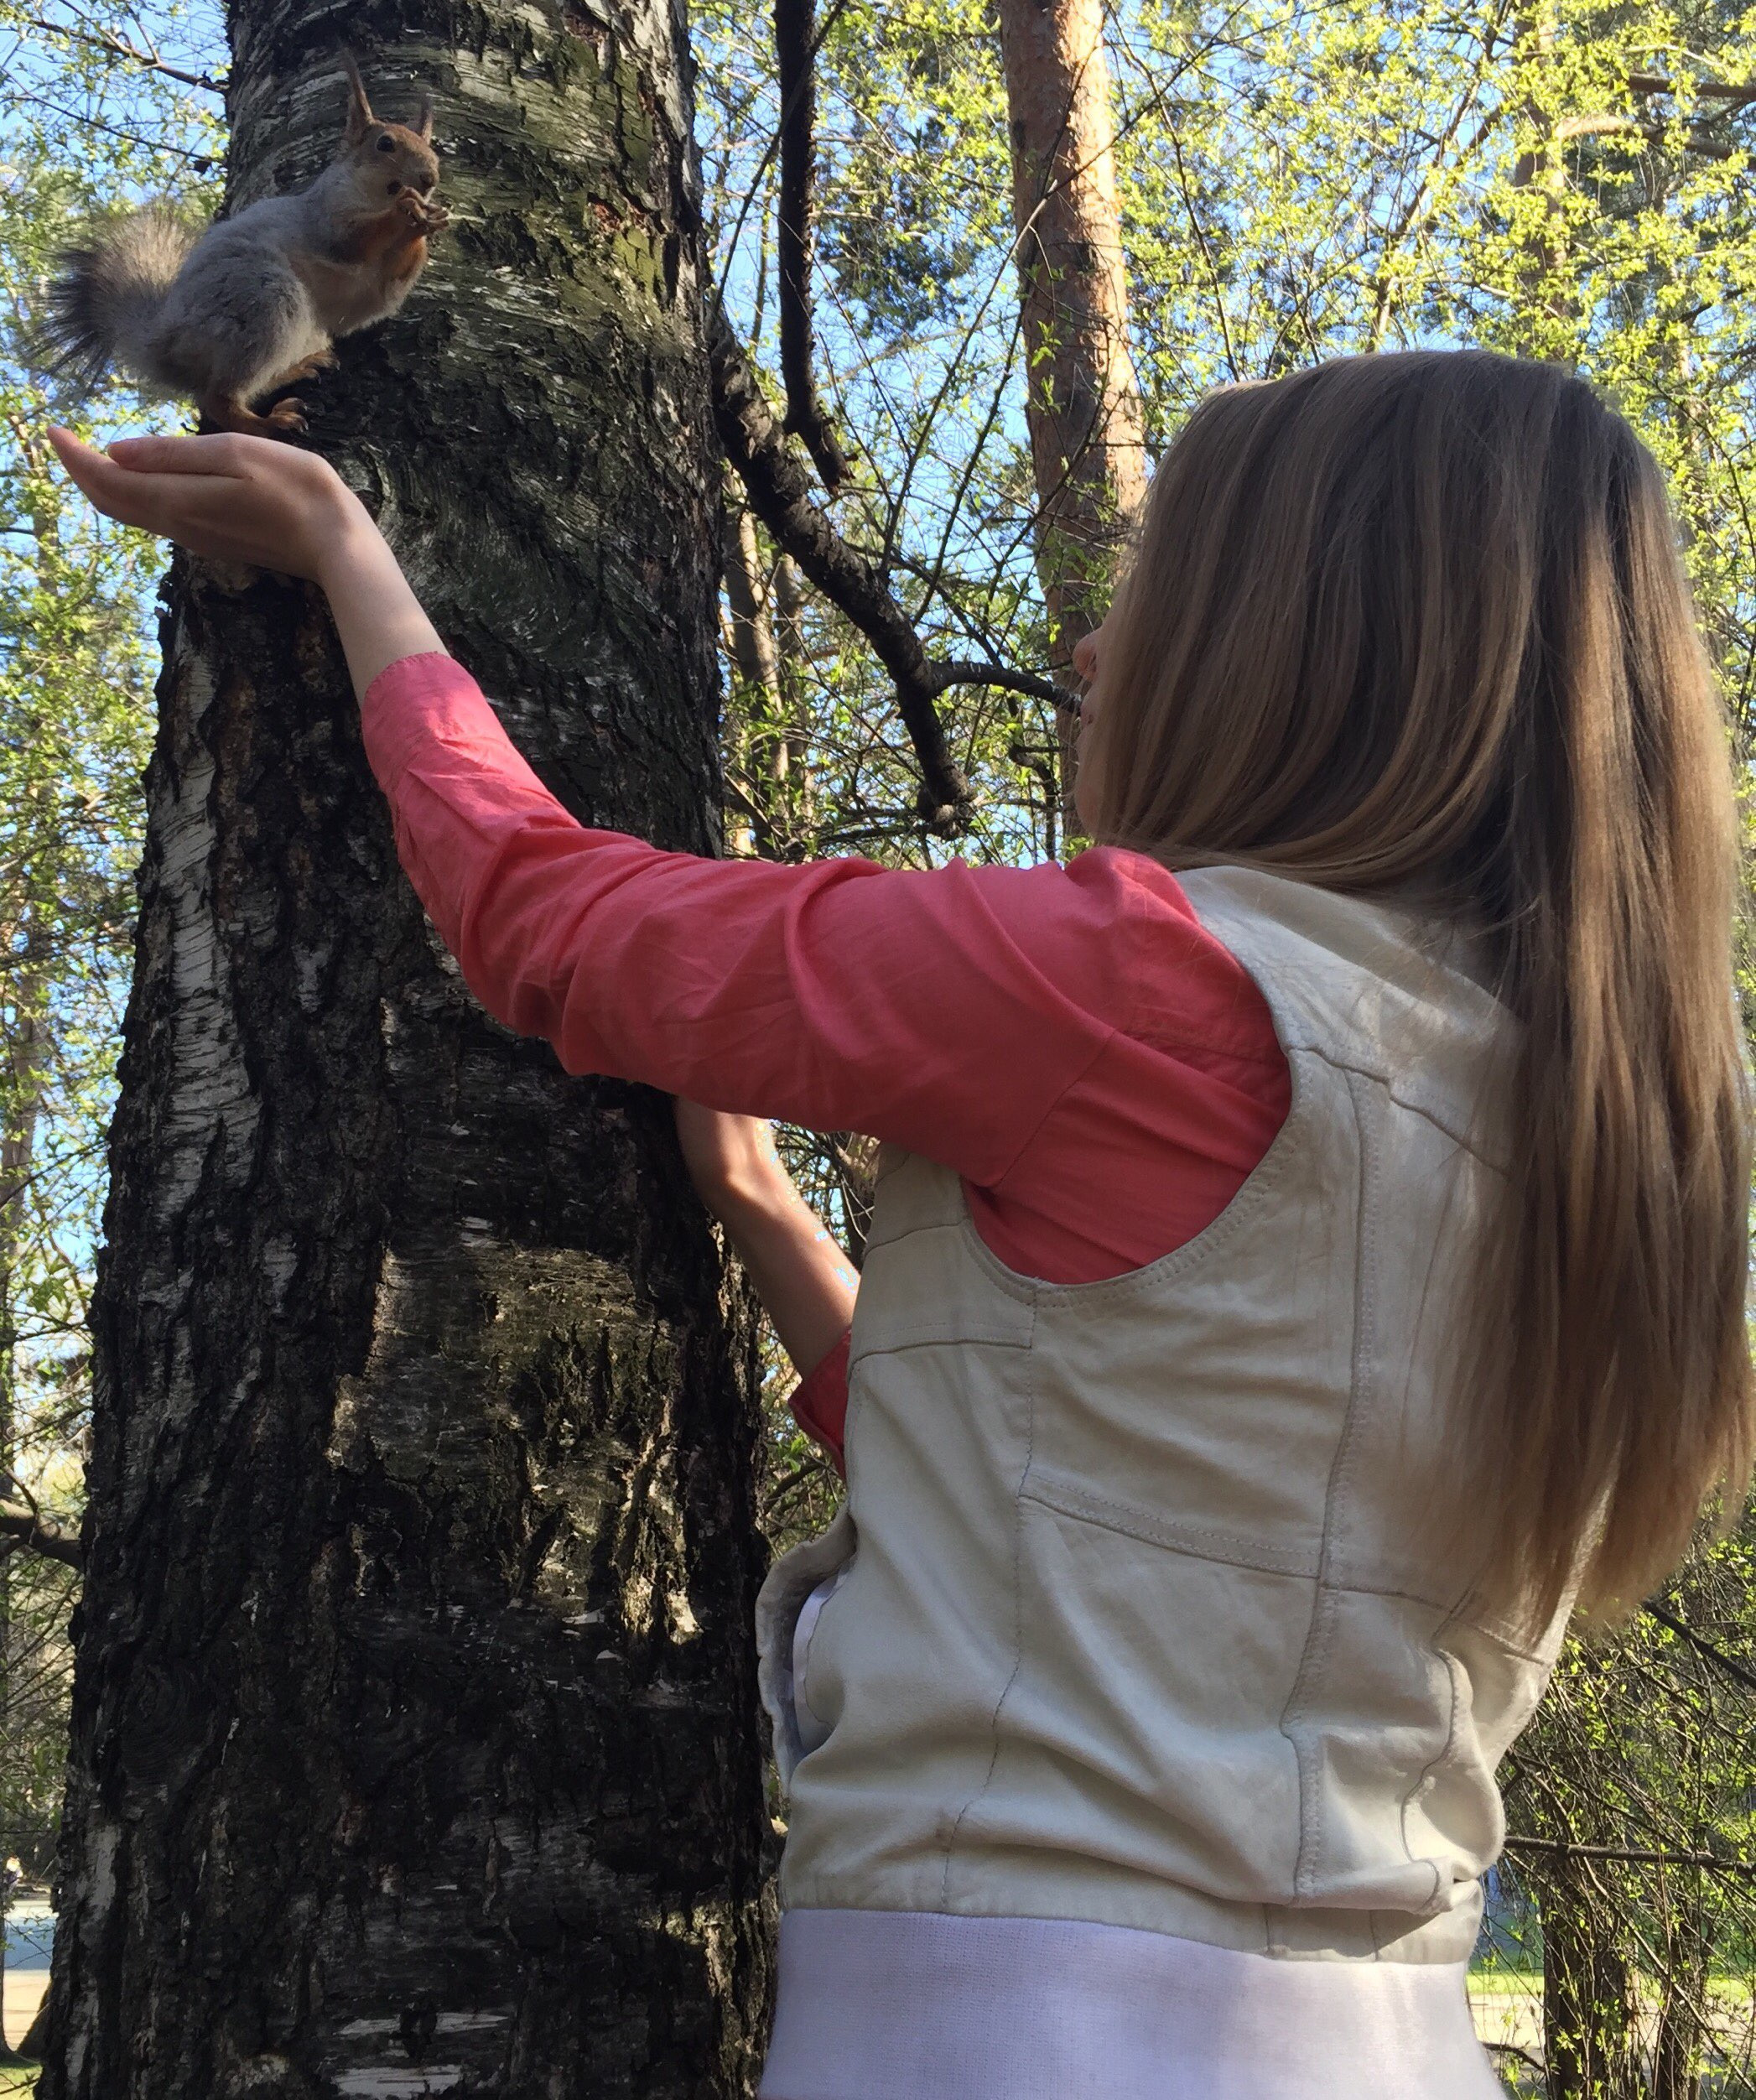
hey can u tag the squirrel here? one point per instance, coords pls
(254, 303)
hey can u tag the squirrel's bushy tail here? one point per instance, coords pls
(106, 293)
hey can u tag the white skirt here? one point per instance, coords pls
(905, 2006)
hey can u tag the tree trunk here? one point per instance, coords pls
(23, 1081)
(1083, 402)
(415, 1745)
(1587, 2011)
(1681, 2038)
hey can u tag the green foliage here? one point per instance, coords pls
(1299, 180)
(80, 124)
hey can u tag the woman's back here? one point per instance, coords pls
(1140, 1627)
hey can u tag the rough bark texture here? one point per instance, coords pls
(1083, 404)
(415, 1744)
(1588, 2034)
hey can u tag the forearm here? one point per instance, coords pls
(376, 614)
(805, 1281)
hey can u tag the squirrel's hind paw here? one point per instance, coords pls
(288, 418)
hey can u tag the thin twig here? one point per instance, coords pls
(1732, 1668)
(1563, 1849)
(119, 47)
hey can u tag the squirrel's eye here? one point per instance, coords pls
(387, 144)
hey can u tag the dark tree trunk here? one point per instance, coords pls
(1681, 2038)
(415, 1747)
(1588, 2039)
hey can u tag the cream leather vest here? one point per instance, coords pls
(1137, 1623)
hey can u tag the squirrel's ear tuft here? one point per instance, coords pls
(360, 118)
(423, 120)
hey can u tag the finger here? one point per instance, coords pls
(156, 502)
(109, 487)
(220, 453)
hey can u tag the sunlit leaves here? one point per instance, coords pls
(82, 125)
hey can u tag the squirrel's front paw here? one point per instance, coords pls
(422, 217)
(288, 418)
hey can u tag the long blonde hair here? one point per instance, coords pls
(1422, 620)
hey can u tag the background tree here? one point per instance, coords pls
(74, 733)
(1082, 399)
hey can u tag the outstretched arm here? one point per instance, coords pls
(837, 995)
(245, 499)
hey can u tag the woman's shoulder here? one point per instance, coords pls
(1103, 889)
(1190, 991)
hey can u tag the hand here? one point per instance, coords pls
(233, 498)
(250, 500)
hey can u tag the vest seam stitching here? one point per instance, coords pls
(1017, 1635)
(1046, 1496)
(1259, 1186)
(1388, 1082)
(939, 1341)
(1320, 1635)
(1425, 1777)
(1292, 1026)
(1422, 928)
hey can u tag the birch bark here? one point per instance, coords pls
(415, 1747)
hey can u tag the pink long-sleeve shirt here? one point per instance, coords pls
(1100, 1071)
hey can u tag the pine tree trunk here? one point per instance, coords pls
(415, 1746)
(1083, 400)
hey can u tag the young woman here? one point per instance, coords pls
(1309, 1255)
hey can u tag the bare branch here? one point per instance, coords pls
(29, 1530)
(780, 494)
(813, 1466)
(119, 47)
(1562, 1848)
(1572, 128)
(1732, 95)
(795, 238)
(1732, 1668)
(943, 675)
(1512, 2049)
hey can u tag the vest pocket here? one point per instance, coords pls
(1131, 1733)
(788, 1587)
(1076, 1497)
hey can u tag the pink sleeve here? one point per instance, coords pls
(819, 1403)
(947, 1010)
